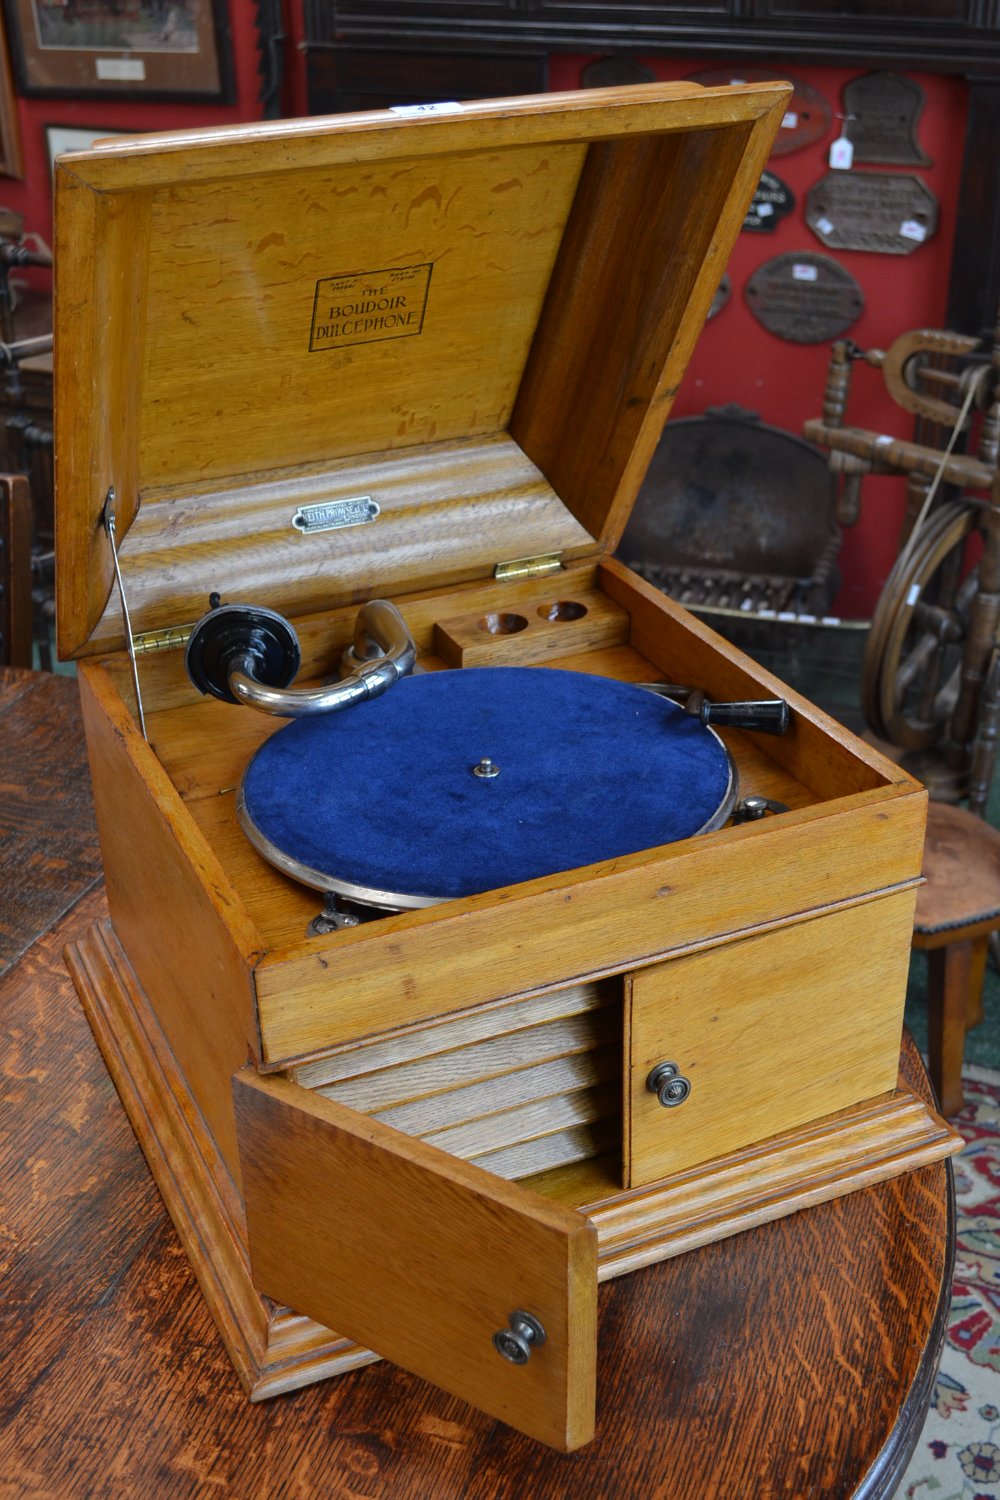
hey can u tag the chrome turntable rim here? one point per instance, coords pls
(534, 684)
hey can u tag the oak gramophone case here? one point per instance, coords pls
(425, 357)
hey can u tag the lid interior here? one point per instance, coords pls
(475, 323)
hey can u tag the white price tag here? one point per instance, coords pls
(734, 81)
(910, 229)
(447, 108)
(789, 120)
(824, 226)
(765, 210)
(120, 69)
(841, 154)
(802, 272)
(913, 595)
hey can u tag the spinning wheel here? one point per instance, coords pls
(913, 658)
(936, 624)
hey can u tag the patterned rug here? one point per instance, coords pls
(958, 1454)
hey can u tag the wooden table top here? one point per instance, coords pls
(794, 1360)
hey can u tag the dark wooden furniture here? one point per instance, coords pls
(957, 35)
(15, 570)
(797, 1358)
(371, 53)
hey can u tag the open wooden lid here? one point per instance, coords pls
(328, 359)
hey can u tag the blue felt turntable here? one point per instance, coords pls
(459, 782)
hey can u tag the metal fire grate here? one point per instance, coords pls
(736, 518)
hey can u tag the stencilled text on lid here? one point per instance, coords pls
(367, 307)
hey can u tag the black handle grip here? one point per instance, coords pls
(765, 716)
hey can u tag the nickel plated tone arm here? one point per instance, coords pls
(243, 653)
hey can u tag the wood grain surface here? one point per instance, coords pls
(729, 1038)
(476, 224)
(48, 839)
(419, 1256)
(780, 1362)
(793, 1360)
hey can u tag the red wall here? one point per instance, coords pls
(738, 360)
(32, 197)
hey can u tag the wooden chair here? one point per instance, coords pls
(958, 907)
(957, 910)
(15, 571)
(931, 678)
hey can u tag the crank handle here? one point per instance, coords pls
(764, 716)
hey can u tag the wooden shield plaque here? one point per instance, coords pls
(888, 212)
(771, 202)
(804, 297)
(807, 118)
(881, 111)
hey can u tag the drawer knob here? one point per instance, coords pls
(668, 1084)
(517, 1341)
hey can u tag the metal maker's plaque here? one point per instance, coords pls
(881, 112)
(804, 297)
(889, 212)
(771, 202)
(332, 515)
(807, 117)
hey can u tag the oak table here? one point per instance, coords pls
(794, 1360)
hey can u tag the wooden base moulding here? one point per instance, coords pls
(276, 1350)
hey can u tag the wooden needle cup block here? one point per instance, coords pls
(428, 358)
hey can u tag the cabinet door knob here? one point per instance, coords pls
(517, 1341)
(668, 1084)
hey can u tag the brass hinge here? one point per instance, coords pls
(529, 567)
(162, 640)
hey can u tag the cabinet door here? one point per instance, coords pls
(765, 1034)
(420, 1257)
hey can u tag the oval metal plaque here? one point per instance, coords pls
(804, 297)
(891, 213)
(771, 202)
(807, 118)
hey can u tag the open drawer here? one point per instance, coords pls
(421, 1257)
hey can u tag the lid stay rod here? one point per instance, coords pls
(108, 517)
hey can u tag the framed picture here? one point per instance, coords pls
(60, 138)
(11, 159)
(161, 50)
